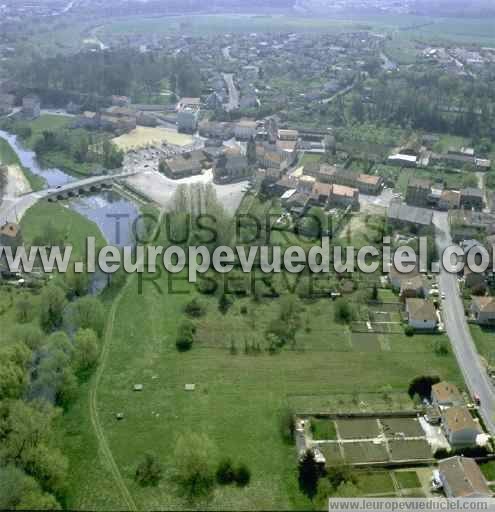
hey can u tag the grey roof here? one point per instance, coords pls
(412, 214)
(472, 192)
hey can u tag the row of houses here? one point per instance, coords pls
(424, 193)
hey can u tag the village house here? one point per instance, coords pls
(421, 314)
(341, 196)
(475, 281)
(272, 158)
(245, 130)
(184, 165)
(449, 200)
(118, 119)
(188, 112)
(483, 310)
(395, 277)
(445, 394)
(472, 198)
(418, 191)
(413, 287)
(459, 427)
(7, 102)
(461, 477)
(31, 107)
(400, 215)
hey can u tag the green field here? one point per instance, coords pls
(238, 398)
(484, 339)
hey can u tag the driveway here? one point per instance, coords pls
(457, 329)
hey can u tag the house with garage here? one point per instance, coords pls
(461, 477)
(459, 427)
(421, 314)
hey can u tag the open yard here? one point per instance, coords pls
(143, 136)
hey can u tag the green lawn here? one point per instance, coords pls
(488, 469)
(238, 398)
(74, 227)
(323, 429)
(484, 340)
(46, 122)
(407, 479)
(376, 482)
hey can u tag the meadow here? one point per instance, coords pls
(239, 397)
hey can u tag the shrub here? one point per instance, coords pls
(441, 348)
(194, 308)
(343, 311)
(409, 330)
(184, 343)
(225, 473)
(149, 471)
(242, 475)
(224, 303)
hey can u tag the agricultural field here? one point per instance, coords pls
(143, 136)
(239, 393)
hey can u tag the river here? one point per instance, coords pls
(100, 208)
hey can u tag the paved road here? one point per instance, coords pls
(233, 103)
(458, 331)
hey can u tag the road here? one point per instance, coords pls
(457, 328)
(233, 103)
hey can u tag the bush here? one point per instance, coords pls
(195, 309)
(287, 425)
(421, 386)
(343, 311)
(242, 475)
(184, 343)
(441, 348)
(409, 330)
(225, 473)
(224, 304)
(185, 336)
(149, 471)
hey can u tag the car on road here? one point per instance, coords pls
(443, 296)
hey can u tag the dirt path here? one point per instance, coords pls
(16, 184)
(93, 404)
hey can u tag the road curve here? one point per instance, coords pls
(457, 328)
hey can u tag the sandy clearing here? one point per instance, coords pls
(143, 136)
(17, 183)
(161, 189)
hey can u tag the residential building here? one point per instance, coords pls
(269, 157)
(459, 427)
(119, 119)
(445, 394)
(31, 107)
(184, 165)
(461, 477)
(449, 200)
(413, 287)
(475, 281)
(403, 160)
(483, 310)
(395, 277)
(472, 198)
(188, 112)
(7, 102)
(245, 130)
(418, 191)
(342, 196)
(421, 314)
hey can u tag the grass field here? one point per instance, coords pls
(484, 340)
(143, 136)
(407, 479)
(323, 429)
(74, 227)
(238, 397)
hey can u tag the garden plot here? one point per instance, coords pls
(358, 428)
(409, 450)
(404, 427)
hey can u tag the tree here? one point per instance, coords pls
(195, 308)
(225, 472)
(14, 377)
(195, 473)
(224, 303)
(343, 311)
(287, 425)
(86, 349)
(88, 313)
(19, 491)
(149, 471)
(29, 334)
(251, 152)
(53, 303)
(25, 310)
(77, 282)
(309, 474)
(242, 475)
(422, 386)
